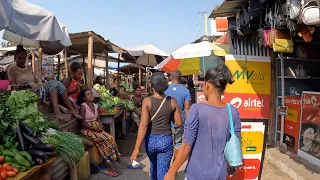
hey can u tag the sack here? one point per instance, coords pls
(311, 13)
(300, 71)
(294, 7)
(233, 148)
(283, 45)
(277, 34)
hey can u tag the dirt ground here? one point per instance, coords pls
(126, 146)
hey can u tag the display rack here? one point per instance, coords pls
(284, 83)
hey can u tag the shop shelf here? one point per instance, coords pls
(299, 59)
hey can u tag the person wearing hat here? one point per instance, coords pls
(182, 95)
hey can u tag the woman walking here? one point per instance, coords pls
(155, 127)
(207, 130)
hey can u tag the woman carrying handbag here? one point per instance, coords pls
(155, 127)
(211, 133)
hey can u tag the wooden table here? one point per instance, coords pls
(36, 172)
(110, 120)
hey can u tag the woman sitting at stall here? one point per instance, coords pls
(92, 128)
(21, 77)
(74, 83)
(137, 100)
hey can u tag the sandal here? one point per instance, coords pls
(112, 173)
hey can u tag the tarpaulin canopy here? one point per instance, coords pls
(29, 24)
(147, 55)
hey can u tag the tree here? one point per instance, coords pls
(8, 44)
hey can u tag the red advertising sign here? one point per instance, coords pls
(249, 170)
(292, 122)
(249, 105)
(309, 147)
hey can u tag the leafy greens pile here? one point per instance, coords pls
(68, 145)
(22, 107)
(7, 124)
(109, 102)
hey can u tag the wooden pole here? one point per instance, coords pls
(58, 68)
(118, 77)
(33, 62)
(65, 62)
(140, 73)
(40, 64)
(84, 68)
(147, 68)
(90, 56)
(107, 70)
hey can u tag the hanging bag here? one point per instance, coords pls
(300, 71)
(294, 7)
(233, 148)
(280, 20)
(283, 45)
(311, 12)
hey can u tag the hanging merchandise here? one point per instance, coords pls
(280, 21)
(311, 12)
(306, 33)
(294, 7)
(300, 71)
(283, 45)
(277, 34)
(293, 26)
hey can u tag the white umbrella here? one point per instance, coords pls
(148, 54)
(28, 24)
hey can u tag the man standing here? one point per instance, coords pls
(182, 95)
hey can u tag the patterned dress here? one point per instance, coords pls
(108, 147)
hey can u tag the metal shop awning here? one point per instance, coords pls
(228, 8)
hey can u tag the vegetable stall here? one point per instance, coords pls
(29, 141)
(112, 109)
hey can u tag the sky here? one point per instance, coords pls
(129, 23)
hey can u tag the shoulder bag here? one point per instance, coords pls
(233, 148)
(155, 114)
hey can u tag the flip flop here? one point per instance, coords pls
(136, 167)
(111, 173)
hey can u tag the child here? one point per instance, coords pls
(74, 83)
(92, 128)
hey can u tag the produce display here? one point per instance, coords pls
(68, 145)
(109, 104)
(27, 138)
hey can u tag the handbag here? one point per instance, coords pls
(233, 148)
(280, 21)
(277, 34)
(311, 13)
(155, 114)
(300, 71)
(283, 45)
(294, 7)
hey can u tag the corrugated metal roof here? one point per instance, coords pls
(228, 8)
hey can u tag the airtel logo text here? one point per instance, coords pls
(237, 102)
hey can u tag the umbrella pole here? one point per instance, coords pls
(58, 68)
(107, 70)
(140, 75)
(40, 64)
(65, 62)
(33, 62)
(90, 57)
(84, 68)
(147, 68)
(118, 78)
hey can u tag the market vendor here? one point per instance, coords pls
(74, 83)
(21, 77)
(92, 128)
(137, 100)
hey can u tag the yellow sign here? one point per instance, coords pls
(251, 76)
(292, 115)
(252, 142)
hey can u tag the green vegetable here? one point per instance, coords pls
(68, 146)
(1, 149)
(7, 145)
(26, 155)
(18, 159)
(8, 159)
(8, 153)
(17, 166)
